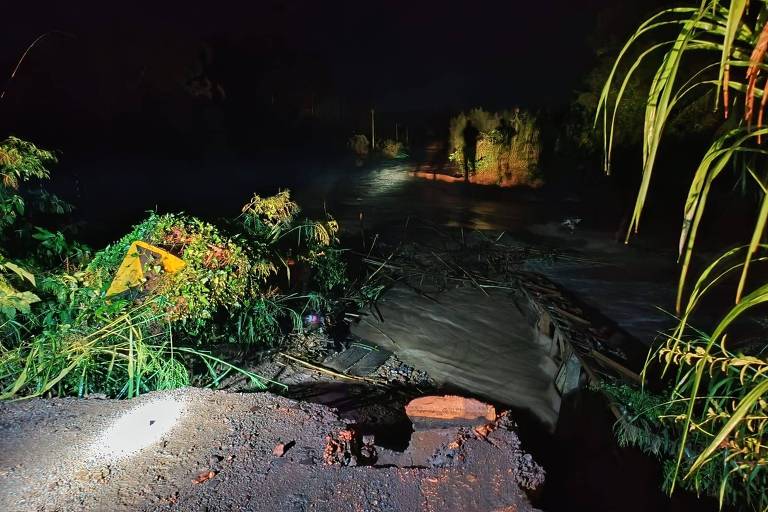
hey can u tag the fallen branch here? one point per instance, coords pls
(331, 373)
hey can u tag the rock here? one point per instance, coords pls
(281, 448)
(347, 449)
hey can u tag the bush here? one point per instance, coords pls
(502, 159)
(25, 248)
(79, 341)
(359, 145)
(392, 149)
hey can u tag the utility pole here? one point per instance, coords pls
(397, 138)
(373, 130)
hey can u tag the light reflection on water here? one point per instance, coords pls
(388, 194)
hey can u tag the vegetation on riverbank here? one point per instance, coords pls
(709, 431)
(246, 281)
(508, 147)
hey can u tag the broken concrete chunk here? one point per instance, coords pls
(449, 409)
(281, 448)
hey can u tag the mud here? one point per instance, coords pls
(234, 451)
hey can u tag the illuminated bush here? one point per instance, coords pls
(233, 288)
(359, 145)
(502, 159)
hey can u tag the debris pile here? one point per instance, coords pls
(395, 371)
(349, 448)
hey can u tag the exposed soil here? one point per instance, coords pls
(235, 451)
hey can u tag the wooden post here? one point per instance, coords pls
(373, 130)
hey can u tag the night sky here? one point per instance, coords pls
(110, 70)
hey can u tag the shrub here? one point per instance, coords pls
(392, 149)
(35, 249)
(502, 158)
(359, 145)
(81, 341)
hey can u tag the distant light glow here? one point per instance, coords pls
(138, 428)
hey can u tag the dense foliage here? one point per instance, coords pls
(27, 248)
(248, 281)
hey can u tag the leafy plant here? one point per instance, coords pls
(20, 161)
(81, 341)
(717, 408)
(13, 301)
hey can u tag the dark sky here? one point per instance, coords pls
(117, 70)
(403, 55)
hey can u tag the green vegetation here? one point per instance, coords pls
(27, 249)
(248, 281)
(693, 116)
(713, 422)
(504, 156)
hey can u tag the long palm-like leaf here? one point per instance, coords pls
(719, 155)
(737, 42)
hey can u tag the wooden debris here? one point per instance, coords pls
(326, 371)
(623, 370)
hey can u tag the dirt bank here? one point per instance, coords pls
(211, 450)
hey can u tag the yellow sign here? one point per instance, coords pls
(131, 273)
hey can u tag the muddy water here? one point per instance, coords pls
(480, 344)
(464, 339)
(628, 283)
(631, 285)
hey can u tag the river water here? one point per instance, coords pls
(631, 284)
